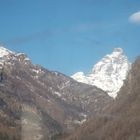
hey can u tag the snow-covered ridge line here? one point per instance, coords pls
(108, 74)
(4, 52)
(6, 55)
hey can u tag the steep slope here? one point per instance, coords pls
(120, 121)
(108, 74)
(50, 101)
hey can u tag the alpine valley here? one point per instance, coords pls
(38, 104)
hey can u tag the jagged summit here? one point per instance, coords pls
(8, 56)
(4, 52)
(119, 50)
(108, 74)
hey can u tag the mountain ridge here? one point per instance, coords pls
(57, 103)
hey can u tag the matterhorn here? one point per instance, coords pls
(108, 74)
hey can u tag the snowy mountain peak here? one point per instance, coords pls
(7, 56)
(4, 52)
(118, 50)
(108, 74)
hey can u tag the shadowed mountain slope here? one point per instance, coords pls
(32, 96)
(121, 120)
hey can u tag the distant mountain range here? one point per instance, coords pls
(108, 74)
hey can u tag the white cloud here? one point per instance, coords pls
(135, 18)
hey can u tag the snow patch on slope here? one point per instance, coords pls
(4, 52)
(6, 55)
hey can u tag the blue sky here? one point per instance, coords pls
(70, 35)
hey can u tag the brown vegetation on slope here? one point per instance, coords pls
(120, 121)
(61, 103)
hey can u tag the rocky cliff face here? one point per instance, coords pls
(37, 103)
(108, 74)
